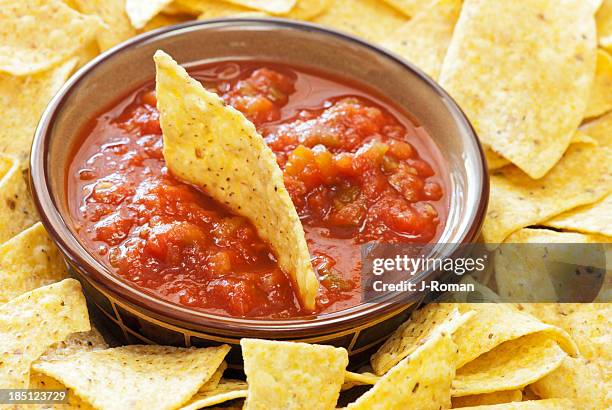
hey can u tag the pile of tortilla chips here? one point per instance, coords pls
(535, 79)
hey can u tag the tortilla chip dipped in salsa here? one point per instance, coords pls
(216, 148)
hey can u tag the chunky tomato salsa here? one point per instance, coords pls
(356, 169)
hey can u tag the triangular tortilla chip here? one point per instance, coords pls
(372, 20)
(23, 100)
(524, 103)
(423, 324)
(512, 365)
(594, 219)
(36, 35)
(424, 40)
(419, 381)
(34, 321)
(583, 176)
(225, 390)
(288, 375)
(604, 24)
(495, 323)
(358, 379)
(155, 377)
(141, 11)
(17, 211)
(113, 14)
(215, 147)
(28, 261)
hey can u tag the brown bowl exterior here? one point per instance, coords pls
(137, 317)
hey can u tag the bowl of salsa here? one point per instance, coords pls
(371, 151)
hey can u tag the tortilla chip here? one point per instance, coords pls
(208, 9)
(369, 19)
(308, 9)
(583, 176)
(214, 380)
(498, 397)
(164, 20)
(604, 24)
(147, 375)
(495, 323)
(75, 343)
(576, 379)
(87, 53)
(424, 40)
(112, 12)
(494, 160)
(36, 35)
(529, 273)
(225, 390)
(141, 11)
(268, 6)
(423, 377)
(23, 100)
(423, 324)
(32, 322)
(215, 147)
(409, 7)
(554, 404)
(594, 219)
(358, 379)
(17, 211)
(289, 375)
(523, 102)
(41, 381)
(28, 261)
(600, 97)
(512, 365)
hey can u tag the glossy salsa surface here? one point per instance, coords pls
(356, 169)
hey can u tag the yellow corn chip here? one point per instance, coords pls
(487, 398)
(595, 219)
(23, 100)
(36, 35)
(308, 9)
(17, 211)
(268, 6)
(604, 24)
(523, 102)
(495, 323)
(422, 325)
(288, 375)
(582, 176)
(553, 404)
(512, 365)
(225, 390)
(358, 379)
(424, 40)
(419, 381)
(154, 377)
(580, 380)
(112, 12)
(87, 53)
(32, 322)
(369, 19)
(216, 148)
(494, 160)
(522, 273)
(75, 343)
(600, 97)
(28, 261)
(209, 9)
(214, 380)
(41, 381)
(163, 20)
(409, 7)
(141, 11)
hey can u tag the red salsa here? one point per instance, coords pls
(357, 171)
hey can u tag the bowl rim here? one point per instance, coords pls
(55, 224)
